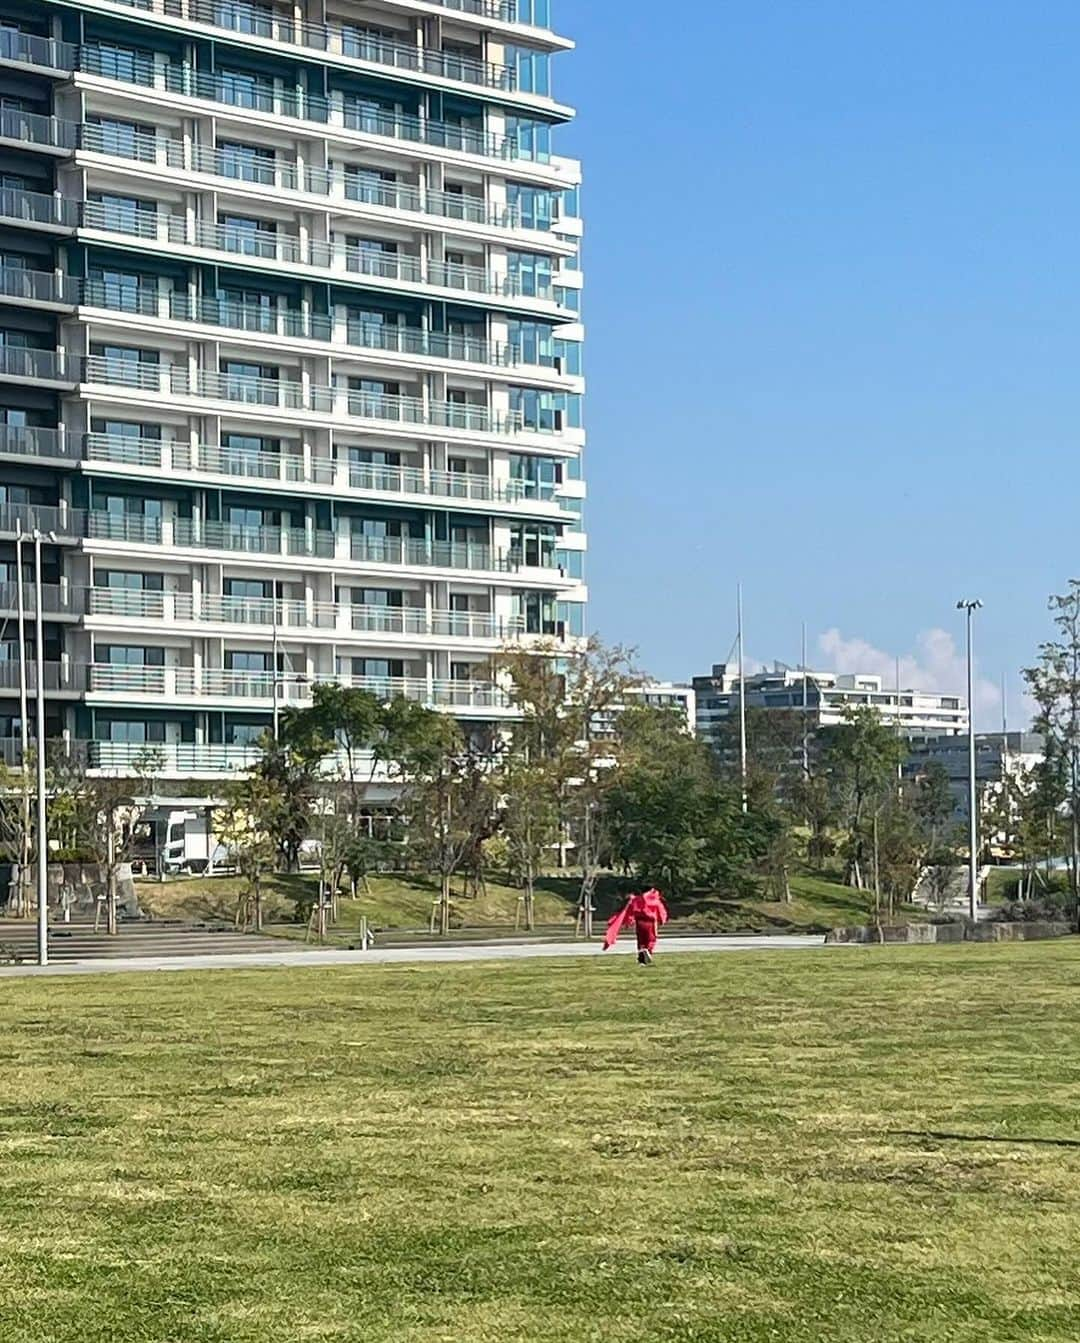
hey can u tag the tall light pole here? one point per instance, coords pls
(742, 710)
(24, 730)
(971, 605)
(43, 834)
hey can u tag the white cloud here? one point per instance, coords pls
(937, 664)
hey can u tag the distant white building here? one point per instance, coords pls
(826, 698)
(656, 695)
(999, 758)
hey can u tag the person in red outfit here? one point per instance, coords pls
(649, 914)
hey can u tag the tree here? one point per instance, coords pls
(860, 759)
(669, 816)
(568, 704)
(105, 815)
(1054, 683)
(934, 804)
(451, 799)
(243, 825)
(288, 771)
(530, 819)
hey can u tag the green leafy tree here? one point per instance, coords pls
(289, 773)
(244, 826)
(1054, 682)
(859, 759)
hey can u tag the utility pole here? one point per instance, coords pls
(274, 659)
(24, 730)
(805, 710)
(42, 827)
(971, 605)
(742, 710)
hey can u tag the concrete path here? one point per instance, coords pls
(489, 951)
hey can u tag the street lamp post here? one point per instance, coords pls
(43, 834)
(971, 605)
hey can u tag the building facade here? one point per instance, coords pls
(1001, 759)
(826, 697)
(290, 359)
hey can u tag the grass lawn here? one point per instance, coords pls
(819, 1147)
(398, 902)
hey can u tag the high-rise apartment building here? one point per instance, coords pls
(290, 359)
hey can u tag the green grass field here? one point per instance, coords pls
(395, 902)
(834, 1145)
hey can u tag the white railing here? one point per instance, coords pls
(289, 688)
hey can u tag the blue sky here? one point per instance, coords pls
(833, 308)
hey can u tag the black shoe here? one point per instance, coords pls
(644, 957)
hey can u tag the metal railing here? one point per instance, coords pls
(222, 683)
(172, 757)
(38, 131)
(38, 286)
(64, 523)
(30, 49)
(59, 676)
(18, 361)
(56, 598)
(37, 441)
(438, 554)
(262, 96)
(105, 526)
(257, 540)
(35, 207)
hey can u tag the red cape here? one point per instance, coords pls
(648, 906)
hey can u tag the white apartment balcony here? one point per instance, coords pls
(66, 524)
(38, 289)
(336, 261)
(59, 601)
(43, 55)
(387, 344)
(37, 210)
(348, 48)
(284, 399)
(170, 760)
(305, 473)
(31, 130)
(336, 622)
(62, 679)
(112, 533)
(49, 447)
(336, 191)
(38, 368)
(200, 687)
(268, 103)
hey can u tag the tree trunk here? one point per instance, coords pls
(530, 897)
(444, 905)
(258, 906)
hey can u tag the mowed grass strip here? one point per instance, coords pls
(859, 1144)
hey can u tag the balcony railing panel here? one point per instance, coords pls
(35, 286)
(37, 441)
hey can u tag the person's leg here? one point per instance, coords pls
(646, 939)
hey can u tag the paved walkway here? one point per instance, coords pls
(489, 951)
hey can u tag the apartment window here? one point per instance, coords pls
(368, 43)
(130, 430)
(242, 89)
(532, 343)
(128, 364)
(240, 515)
(532, 69)
(534, 206)
(245, 661)
(125, 139)
(248, 236)
(129, 505)
(530, 273)
(374, 186)
(244, 734)
(14, 417)
(374, 457)
(253, 589)
(539, 476)
(133, 65)
(123, 290)
(128, 580)
(245, 16)
(364, 113)
(123, 214)
(134, 731)
(130, 655)
(377, 668)
(533, 544)
(249, 163)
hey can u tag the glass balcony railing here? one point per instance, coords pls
(33, 286)
(30, 49)
(35, 207)
(251, 19)
(31, 365)
(37, 441)
(34, 131)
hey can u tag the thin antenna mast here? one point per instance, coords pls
(742, 709)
